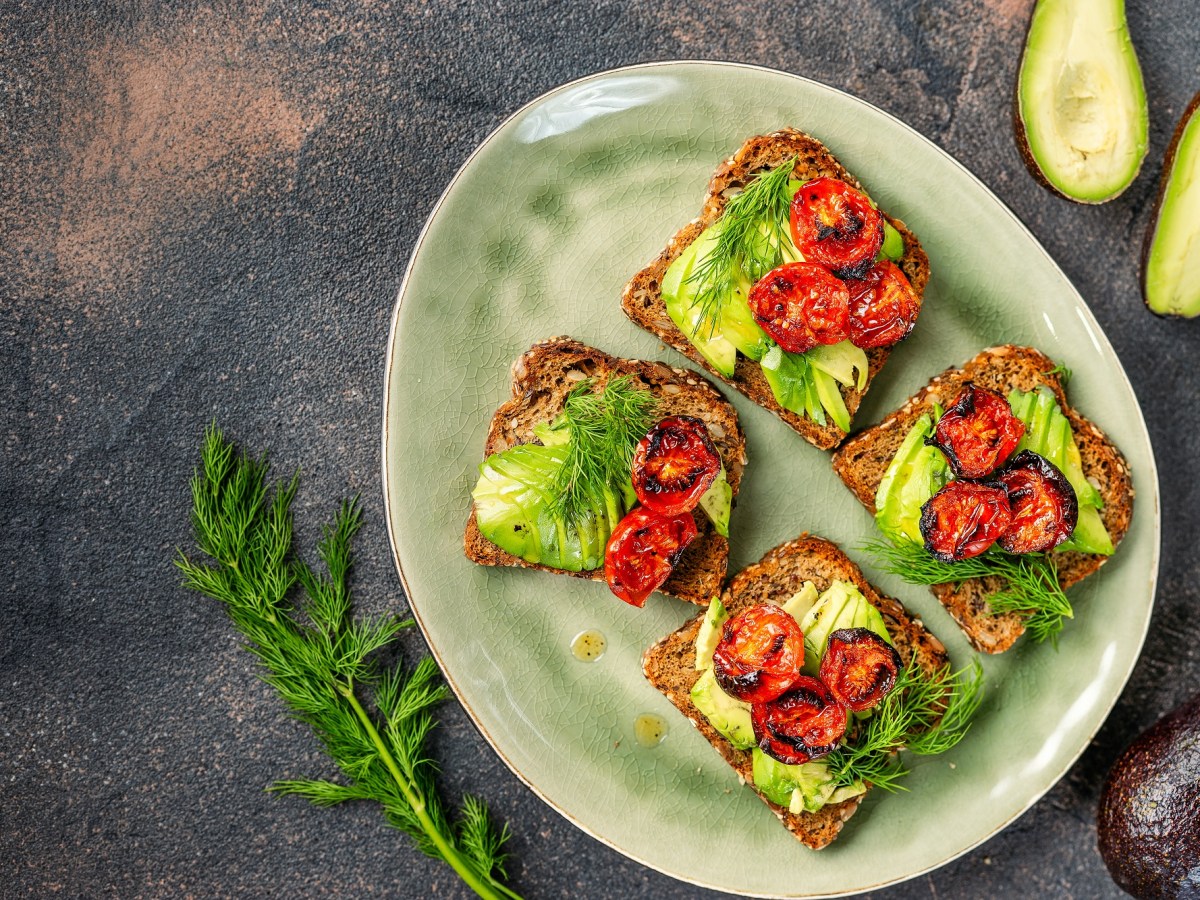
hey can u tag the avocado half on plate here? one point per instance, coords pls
(1081, 117)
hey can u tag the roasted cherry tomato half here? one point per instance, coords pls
(801, 305)
(803, 724)
(836, 226)
(642, 551)
(977, 432)
(883, 307)
(759, 654)
(1044, 506)
(963, 519)
(674, 464)
(859, 667)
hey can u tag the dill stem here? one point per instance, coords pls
(449, 852)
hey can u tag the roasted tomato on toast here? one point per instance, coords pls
(642, 551)
(883, 307)
(801, 305)
(964, 519)
(759, 654)
(836, 226)
(674, 464)
(1044, 506)
(805, 723)
(978, 432)
(859, 667)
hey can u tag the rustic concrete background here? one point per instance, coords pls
(207, 208)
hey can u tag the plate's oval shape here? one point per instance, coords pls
(536, 236)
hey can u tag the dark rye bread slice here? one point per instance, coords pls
(642, 299)
(670, 665)
(542, 378)
(862, 461)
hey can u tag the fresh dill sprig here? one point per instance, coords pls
(1031, 581)
(925, 714)
(603, 428)
(1062, 371)
(321, 660)
(754, 228)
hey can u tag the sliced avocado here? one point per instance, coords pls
(1171, 255)
(728, 716)
(681, 302)
(512, 510)
(915, 474)
(1081, 120)
(803, 788)
(709, 633)
(798, 605)
(842, 605)
(1048, 433)
(717, 503)
(893, 243)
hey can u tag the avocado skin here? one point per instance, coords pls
(1149, 818)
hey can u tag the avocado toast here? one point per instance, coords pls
(863, 461)
(542, 380)
(643, 298)
(671, 664)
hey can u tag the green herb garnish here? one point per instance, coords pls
(603, 427)
(755, 227)
(925, 714)
(1032, 585)
(321, 661)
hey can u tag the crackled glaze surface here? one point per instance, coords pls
(583, 187)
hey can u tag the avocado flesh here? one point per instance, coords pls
(803, 788)
(728, 716)
(915, 474)
(842, 605)
(1081, 104)
(709, 633)
(512, 510)
(717, 503)
(1171, 277)
(1148, 823)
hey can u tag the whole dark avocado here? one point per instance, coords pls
(1149, 819)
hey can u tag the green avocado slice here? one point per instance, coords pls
(1171, 259)
(1081, 116)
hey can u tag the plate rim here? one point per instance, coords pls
(1152, 475)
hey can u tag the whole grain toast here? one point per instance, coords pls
(642, 298)
(670, 665)
(542, 378)
(862, 461)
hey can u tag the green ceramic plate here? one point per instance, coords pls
(536, 236)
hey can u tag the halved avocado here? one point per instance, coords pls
(1081, 119)
(1171, 254)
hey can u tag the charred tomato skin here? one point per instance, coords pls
(859, 668)
(804, 724)
(835, 225)
(759, 655)
(801, 305)
(642, 551)
(674, 464)
(1044, 505)
(977, 432)
(883, 307)
(964, 519)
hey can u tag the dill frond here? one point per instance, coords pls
(604, 427)
(321, 660)
(754, 228)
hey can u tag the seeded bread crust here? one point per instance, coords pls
(542, 378)
(642, 298)
(862, 461)
(670, 665)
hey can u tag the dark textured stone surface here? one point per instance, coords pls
(206, 211)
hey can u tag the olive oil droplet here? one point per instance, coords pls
(588, 646)
(649, 729)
